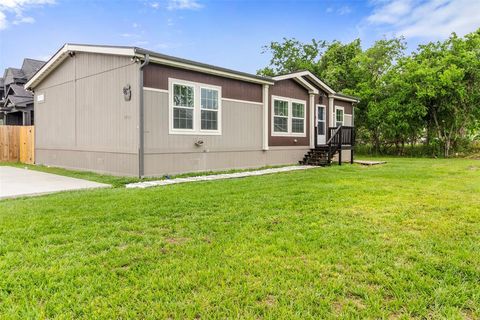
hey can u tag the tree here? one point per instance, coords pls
(433, 91)
(446, 79)
(291, 55)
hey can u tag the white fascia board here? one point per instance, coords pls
(345, 98)
(309, 74)
(117, 51)
(58, 57)
(304, 83)
(319, 82)
(63, 52)
(289, 76)
(202, 69)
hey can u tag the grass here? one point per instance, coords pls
(115, 181)
(398, 241)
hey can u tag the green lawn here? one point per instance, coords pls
(401, 240)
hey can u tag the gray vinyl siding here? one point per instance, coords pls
(84, 121)
(239, 145)
(241, 128)
(173, 163)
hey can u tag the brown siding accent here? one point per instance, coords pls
(289, 89)
(318, 99)
(347, 105)
(321, 98)
(156, 76)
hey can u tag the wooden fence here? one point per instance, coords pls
(17, 143)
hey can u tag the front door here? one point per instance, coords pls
(321, 125)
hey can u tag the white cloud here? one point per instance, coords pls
(344, 10)
(329, 10)
(184, 5)
(155, 5)
(3, 21)
(426, 18)
(14, 10)
(22, 19)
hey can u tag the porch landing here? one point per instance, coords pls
(369, 162)
(148, 184)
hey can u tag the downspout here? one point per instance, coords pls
(141, 140)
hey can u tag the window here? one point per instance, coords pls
(194, 108)
(339, 116)
(298, 117)
(183, 97)
(288, 117)
(321, 120)
(280, 118)
(209, 106)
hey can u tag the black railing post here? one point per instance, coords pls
(340, 146)
(353, 145)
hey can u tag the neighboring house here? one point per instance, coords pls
(16, 105)
(130, 111)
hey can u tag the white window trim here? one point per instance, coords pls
(289, 132)
(343, 112)
(197, 109)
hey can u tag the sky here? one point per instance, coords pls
(225, 33)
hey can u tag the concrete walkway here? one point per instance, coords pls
(148, 184)
(16, 182)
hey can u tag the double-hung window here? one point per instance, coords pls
(280, 116)
(298, 117)
(339, 115)
(288, 117)
(195, 108)
(183, 106)
(209, 106)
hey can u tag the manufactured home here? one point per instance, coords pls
(130, 111)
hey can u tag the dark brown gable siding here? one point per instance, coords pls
(289, 89)
(347, 105)
(321, 98)
(156, 76)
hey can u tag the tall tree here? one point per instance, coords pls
(292, 55)
(436, 89)
(446, 80)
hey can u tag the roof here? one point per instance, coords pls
(141, 54)
(15, 73)
(344, 97)
(18, 101)
(31, 66)
(18, 90)
(306, 73)
(43, 69)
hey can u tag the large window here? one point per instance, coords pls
(288, 117)
(339, 113)
(195, 108)
(183, 106)
(209, 106)
(280, 116)
(298, 117)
